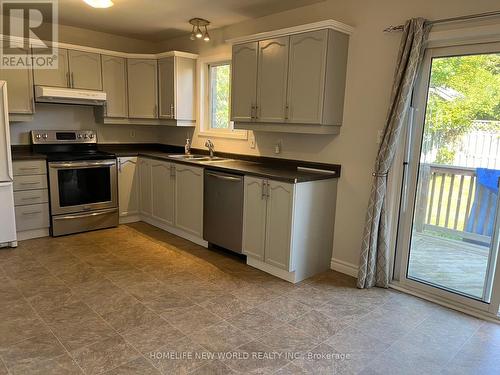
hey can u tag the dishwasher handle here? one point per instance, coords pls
(223, 177)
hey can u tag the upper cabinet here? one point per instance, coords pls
(142, 88)
(85, 70)
(272, 80)
(75, 69)
(306, 85)
(244, 81)
(59, 77)
(177, 85)
(293, 83)
(19, 89)
(114, 84)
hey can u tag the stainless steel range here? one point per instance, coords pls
(82, 181)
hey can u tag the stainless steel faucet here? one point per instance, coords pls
(211, 148)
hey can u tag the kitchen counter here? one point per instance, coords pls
(244, 167)
(292, 171)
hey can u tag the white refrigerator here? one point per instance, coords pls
(7, 215)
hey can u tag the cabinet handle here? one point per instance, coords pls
(28, 168)
(155, 114)
(32, 212)
(172, 171)
(172, 111)
(30, 183)
(287, 108)
(30, 198)
(257, 115)
(263, 194)
(268, 190)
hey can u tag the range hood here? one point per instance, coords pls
(46, 94)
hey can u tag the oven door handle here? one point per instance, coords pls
(86, 164)
(81, 216)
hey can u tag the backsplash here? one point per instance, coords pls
(75, 117)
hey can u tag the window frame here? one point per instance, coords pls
(204, 92)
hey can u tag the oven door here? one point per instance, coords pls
(82, 186)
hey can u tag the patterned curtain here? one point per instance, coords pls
(374, 261)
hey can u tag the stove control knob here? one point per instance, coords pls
(91, 136)
(45, 136)
(86, 136)
(79, 136)
(38, 136)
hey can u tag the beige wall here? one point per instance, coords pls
(371, 63)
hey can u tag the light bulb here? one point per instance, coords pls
(198, 34)
(192, 37)
(206, 38)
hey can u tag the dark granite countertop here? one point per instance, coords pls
(273, 168)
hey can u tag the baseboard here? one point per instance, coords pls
(178, 232)
(282, 274)
(34, 233)
(130, 219)
(344, 267)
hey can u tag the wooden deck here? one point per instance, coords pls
(449, 263)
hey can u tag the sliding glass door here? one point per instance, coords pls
(448, 240)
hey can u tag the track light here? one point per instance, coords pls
(196, 31)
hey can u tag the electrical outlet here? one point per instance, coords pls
(278, 146)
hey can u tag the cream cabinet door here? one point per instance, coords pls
(54, 77)
(145, 190)
(254, 218)
(306, 77)
(128, 186)
(189, 199)
(272, 80)
(142, 88)
(163, 191)
(19, 88)
(114, 82)
(244, 81)
(85, 70)
(279, 224)
(167, 94)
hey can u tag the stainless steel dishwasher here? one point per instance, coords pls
(223, 210)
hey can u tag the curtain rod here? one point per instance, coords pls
(453, 19)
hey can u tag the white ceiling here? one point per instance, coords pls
(163, 19)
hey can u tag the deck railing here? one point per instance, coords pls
(445, 197)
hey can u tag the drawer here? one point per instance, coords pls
(29, 167)
(30, 182)
(33, 216)
(23, 198)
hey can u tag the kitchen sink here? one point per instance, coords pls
(199, 158)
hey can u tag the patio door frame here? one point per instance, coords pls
(411, 164)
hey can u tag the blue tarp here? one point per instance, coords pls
(486, 179)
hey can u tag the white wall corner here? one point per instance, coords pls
(344, 267)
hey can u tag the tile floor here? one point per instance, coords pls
(137, 300)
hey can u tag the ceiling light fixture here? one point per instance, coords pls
(99, 3)
(196, 32)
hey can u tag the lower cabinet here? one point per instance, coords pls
(189, 199)
(171, 196)
(128, 188)
(31, 199)
(288, 228)
(162, 186)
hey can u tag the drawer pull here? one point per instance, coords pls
(30, 198)
(30, 183)
(28, 168)
(32, 212)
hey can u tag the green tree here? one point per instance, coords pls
(475, 80)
